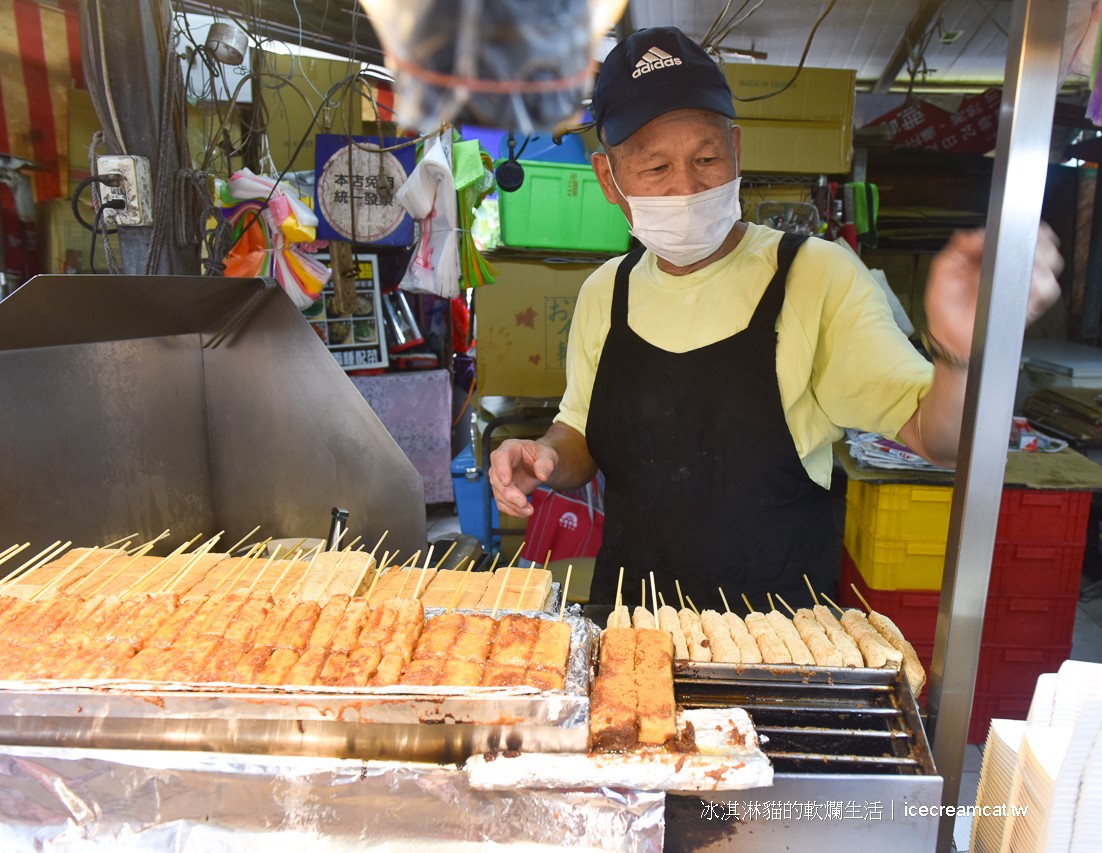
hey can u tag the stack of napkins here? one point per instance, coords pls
(1039, 761)
(1047, 771)
(998, 778)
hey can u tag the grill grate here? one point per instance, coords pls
(818, 720)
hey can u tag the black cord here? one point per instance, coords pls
(108, 180)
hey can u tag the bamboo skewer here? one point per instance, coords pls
(749, 606)
(57, 580)
(378, 573)
(524, 587)
(722, 595)
(146, 547)
(857, 592)
(248, 565)
(785, 603)
(336, 566)
(459, 589)
(661, 600)
(654, 598)
(121, 552)
(23, 568)
(352, 544)
(12, 553)
(680, 597)
(294, 559)
(565, 589)
(619, 589)
(250, 555)
(411, 561)
(241, 541)
(260, 574)
(193, 561)
(337, 544)
(547, 559)
(360, 579)
(50, 556)
(380, 542)
(420, 579)
(302, 581)
(693, 606)
(513, 561)
(811, 589)
(156, 567)
(6, 551)
(127, 539)
(447, 554)
(827, 599)
(643, 600)
(769, 596)
(501, 591)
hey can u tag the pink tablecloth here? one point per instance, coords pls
(416, 409)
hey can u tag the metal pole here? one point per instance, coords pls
(1021, 163)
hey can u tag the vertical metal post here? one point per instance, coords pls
(1021, 162)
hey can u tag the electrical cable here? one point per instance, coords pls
(108, 180)
(800, 67)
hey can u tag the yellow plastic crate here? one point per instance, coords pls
(889, 563)
(900, 510)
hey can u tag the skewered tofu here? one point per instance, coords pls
(642, 619)
(696, 641)
(747, 646)
(722, 645)
(797, 648)
(815, 638)
(851, 655)
(773, 648)
(668, 621)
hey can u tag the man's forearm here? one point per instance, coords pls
(934, 430)
(575, 466)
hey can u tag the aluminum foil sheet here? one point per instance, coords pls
(394, 723)
(131, 800)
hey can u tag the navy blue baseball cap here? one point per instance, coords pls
(651, 72)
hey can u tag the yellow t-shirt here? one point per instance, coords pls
(841, 360)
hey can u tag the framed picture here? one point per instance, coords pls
(355, 336)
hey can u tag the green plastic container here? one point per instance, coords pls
(561, 206)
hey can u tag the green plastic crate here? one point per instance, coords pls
(561, 206)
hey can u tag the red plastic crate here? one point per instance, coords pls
(987, 707)
(1014, 620)
(1014, 670)
(1040, 515)
(1024, 569)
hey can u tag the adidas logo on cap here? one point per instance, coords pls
(653, 60)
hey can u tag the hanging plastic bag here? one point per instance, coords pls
(564, 525)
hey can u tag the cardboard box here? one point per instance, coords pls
(64, 244)
(808, 128)
(523, 322)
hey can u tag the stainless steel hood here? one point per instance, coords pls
(134, 403)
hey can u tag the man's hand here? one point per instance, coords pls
(517, 468)
(952, 289)
(560, 459)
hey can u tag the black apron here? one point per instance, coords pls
(703, 481)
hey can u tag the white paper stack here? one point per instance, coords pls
(1039, 761)
(1044, 700)
(1077, 798)
(1077, 682)
(997, 781)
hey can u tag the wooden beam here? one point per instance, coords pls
(916, 29)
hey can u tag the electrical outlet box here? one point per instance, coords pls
(136, 189)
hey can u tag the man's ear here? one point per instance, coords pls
(604, 177)
(736, 138)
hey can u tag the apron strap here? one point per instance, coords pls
(620, 290)
(769, 308)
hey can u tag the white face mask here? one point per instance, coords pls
(684, 229)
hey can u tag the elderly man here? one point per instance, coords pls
(709, 372)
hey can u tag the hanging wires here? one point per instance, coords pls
(800, 66)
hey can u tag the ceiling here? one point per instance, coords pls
(953, 44)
